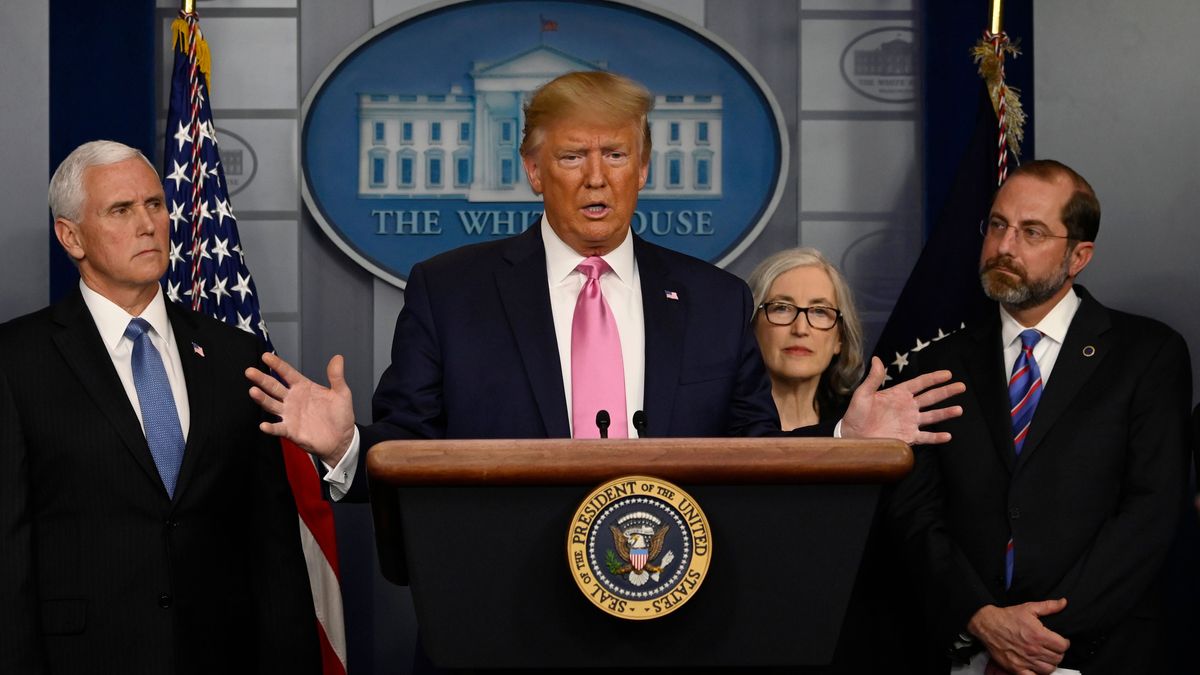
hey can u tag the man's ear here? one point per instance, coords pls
(68, 236)
(531, 170)
(1080, 256)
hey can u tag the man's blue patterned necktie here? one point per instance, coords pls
(1024, 391)
(159, 416)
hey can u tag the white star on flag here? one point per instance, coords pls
(177, 217)
(176, 255)
(218, 289)
(223, 211)
(184, 135)
(242, 287)
(221, 250)
(179, 173)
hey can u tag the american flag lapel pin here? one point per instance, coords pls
(671, 295)
(198, 350)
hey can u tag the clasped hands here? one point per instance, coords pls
(1017, 641)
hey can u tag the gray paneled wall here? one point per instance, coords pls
(1117, 94)
(24, 161)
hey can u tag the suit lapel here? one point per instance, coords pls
(84, 352)
(1072, 369)
(664, 321)
(987, 379)
(200, 391)
(526, 298)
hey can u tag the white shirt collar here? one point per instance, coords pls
(111, 320)
(561, 260)
(1054, 325)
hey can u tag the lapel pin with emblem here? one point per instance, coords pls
(671, 295)
(198, 350)
(1089, 351)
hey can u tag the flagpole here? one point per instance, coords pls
(189, 6)
(997, 14)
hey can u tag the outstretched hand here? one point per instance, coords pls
(318, 419)
(901, 411)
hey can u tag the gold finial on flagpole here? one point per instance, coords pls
(997, 12)
(189, 6)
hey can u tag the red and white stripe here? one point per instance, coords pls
(320, 556)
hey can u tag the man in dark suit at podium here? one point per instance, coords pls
(496, 340)
(146, 524)
(1043, 525)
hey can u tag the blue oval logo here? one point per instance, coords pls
(410, 137)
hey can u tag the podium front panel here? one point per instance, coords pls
(492, 589)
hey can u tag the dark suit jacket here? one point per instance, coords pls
(102, 572)
(1091, 502)
(474, 353)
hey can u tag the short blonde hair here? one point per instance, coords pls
(846, 369)
(589, 95)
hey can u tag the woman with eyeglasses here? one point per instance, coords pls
(809, 334)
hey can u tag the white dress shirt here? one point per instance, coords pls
(111, 321)
(1053, 328)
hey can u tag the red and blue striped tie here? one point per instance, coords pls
(1024, 391)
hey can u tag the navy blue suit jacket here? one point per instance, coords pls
(475, 355)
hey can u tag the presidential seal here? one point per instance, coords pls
(639, 547)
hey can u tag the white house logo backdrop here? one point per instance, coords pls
(410, 138)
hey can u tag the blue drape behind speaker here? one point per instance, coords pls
(101, 86)
(951, 85)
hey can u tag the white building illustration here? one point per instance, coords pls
(460, 145)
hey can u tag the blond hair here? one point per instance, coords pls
(589, 95)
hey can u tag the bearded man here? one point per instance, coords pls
(1041, 529)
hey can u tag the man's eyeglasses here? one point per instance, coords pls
(785, 313)
(1030, 235)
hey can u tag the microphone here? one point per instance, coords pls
(602, 422)
(639, 423)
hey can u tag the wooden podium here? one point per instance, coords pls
(478, 530)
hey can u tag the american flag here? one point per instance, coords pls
(208, 273)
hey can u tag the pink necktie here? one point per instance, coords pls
(597, 371)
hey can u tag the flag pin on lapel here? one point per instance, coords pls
(198, 349)
(671, 295)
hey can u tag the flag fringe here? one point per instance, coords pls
(179, 37)
(991, 69)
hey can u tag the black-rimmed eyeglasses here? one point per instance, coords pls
(785, 314)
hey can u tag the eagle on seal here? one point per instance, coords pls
(636, 552)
